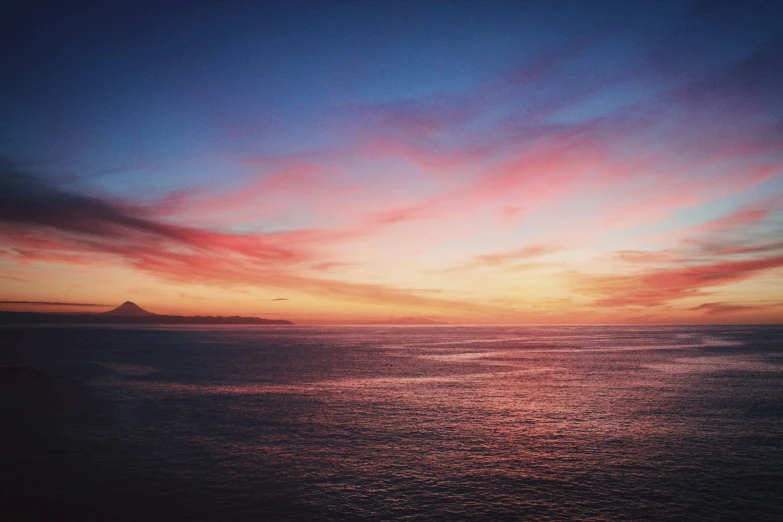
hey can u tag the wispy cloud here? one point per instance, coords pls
(658, 286)
(618, 168)
(72, 225)
(722, 308)
(54, 303)
(509, 259)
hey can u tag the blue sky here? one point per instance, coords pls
(374, 141)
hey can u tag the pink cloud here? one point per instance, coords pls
(645, 257)
(723, 308)
(81, 229)
(658, 286)
(526, 252)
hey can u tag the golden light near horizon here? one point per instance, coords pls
(564, 168)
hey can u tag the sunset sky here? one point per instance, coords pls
(341, 162)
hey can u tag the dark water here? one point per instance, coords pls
(396, 423)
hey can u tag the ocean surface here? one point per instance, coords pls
(392, 423)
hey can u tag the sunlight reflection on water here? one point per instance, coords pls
(478, 423)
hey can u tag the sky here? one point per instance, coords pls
(349, 162)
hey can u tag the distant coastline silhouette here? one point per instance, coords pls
(127, 313)
(409, 320)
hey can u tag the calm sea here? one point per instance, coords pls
(393, 423)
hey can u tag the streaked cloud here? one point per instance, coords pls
(53, 303)
(599, 172)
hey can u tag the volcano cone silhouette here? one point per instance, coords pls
(128, 309)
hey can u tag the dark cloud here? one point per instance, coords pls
(26, 200)
(103, 224)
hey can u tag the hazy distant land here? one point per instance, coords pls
(127, 313)
(409, 321)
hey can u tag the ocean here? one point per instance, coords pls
(392, 423)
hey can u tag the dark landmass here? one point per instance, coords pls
(129, 309)
(409, 320)
(127, 313)
(39, 318)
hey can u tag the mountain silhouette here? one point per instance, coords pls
(127, 313)
(129, 309)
